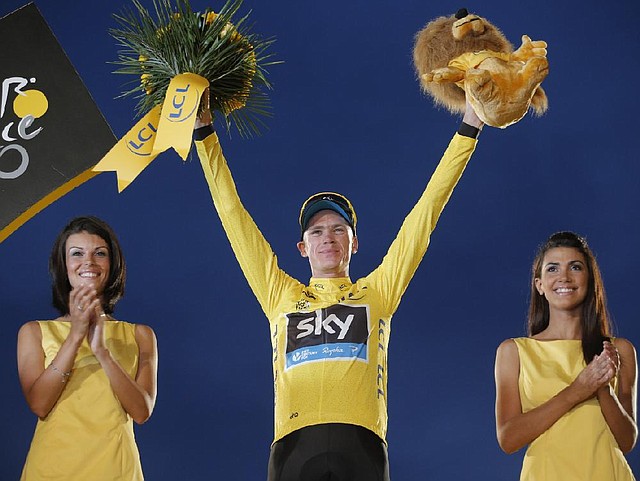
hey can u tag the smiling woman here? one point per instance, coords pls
(87, 260)
(569, 389)
(86, 375)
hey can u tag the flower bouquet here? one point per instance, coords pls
(176, 40)
(184, 63)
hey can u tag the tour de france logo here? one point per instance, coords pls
(28, 105)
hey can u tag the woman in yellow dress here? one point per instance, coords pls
(86, 375)
(568, 391)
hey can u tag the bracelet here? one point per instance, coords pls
(65, 375)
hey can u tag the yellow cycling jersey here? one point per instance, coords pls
(330, 336)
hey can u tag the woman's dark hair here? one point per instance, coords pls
(60, 286)
(595, 317)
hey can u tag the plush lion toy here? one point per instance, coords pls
(466, 54)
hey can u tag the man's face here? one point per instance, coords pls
(329, 243)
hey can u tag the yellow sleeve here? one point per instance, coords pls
(255, 256)
(393, 275)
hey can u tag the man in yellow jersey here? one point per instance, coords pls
(330, 335)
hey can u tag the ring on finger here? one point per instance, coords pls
(80, 308)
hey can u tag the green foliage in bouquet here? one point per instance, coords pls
(178, 40)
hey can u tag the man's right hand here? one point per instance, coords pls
(204, 118)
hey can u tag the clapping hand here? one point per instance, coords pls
(84, 305)
(599, 372)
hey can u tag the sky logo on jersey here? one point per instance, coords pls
(335, 333)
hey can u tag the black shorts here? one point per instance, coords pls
(329, 452)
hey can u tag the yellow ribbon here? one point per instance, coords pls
(179, 113)
(133, 152)
(169, 125)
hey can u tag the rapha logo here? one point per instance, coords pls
(338, 332)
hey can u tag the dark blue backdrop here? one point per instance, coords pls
(349, 116)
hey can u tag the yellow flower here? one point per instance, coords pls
(240, 99)
(145, 78)
(210, 17)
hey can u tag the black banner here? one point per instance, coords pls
(51, 131)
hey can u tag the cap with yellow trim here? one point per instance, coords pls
(327, 201)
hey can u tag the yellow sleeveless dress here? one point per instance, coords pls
(87, 436)
(579, 446)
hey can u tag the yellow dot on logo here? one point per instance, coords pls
(33, 102)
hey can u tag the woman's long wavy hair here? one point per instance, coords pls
(595, 322)
(60, 287)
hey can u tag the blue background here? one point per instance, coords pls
(349, 116)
